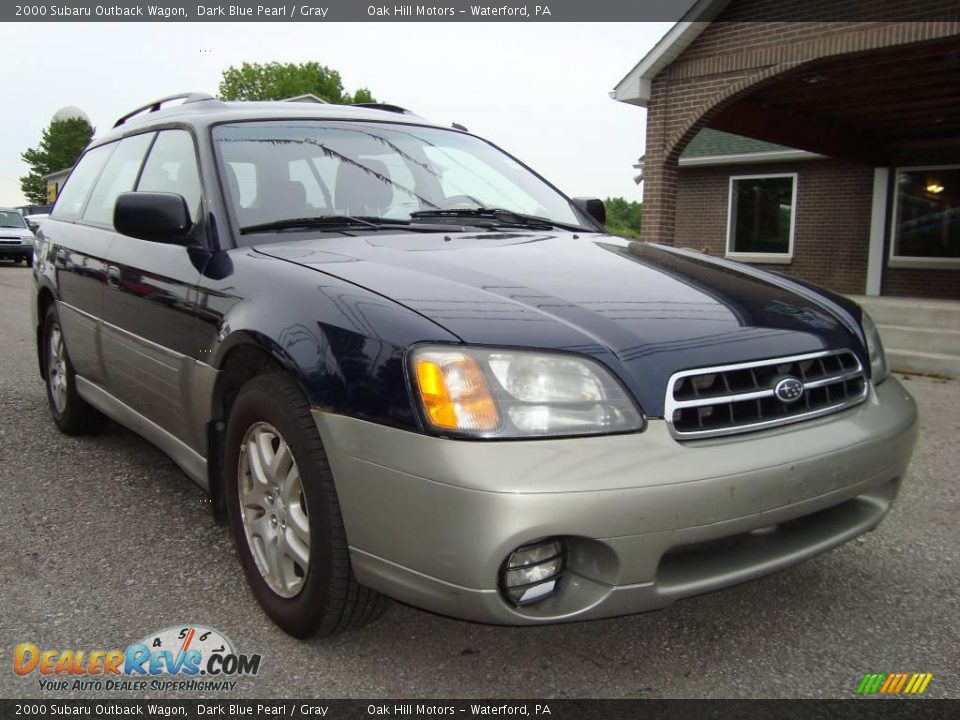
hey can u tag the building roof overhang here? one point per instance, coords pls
(743, 158)
(307, 97)
(635, 86)
(57, 174)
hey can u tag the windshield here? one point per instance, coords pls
(11, 219)
(280, 170)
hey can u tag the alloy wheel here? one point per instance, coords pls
(273, 509)
(57, 368)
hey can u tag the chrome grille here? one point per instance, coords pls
(729, 399)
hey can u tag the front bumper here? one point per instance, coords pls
(17, 252)
(647, 519)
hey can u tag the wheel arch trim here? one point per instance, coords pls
(266, 355)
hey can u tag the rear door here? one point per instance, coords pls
(149, 303)
(77, 253)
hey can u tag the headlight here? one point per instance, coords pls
(486, 393)
(878, 359)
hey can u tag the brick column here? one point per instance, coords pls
(660, 174)
(659, 200)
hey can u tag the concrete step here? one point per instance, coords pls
(923, 363)
(912, 312)
(924, 339)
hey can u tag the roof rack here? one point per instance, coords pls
(157, 104)
(384, 106)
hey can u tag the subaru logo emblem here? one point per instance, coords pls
(788, 390)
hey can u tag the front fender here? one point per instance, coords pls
(344, 344)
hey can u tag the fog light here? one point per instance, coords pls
(532, 572)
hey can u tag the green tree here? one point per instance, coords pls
(276, 81)
(624, 217)
(60, 146)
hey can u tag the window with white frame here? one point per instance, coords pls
(761, 216)
(926, 221)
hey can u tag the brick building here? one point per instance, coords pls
(824, 149)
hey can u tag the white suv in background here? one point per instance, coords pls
(16, 239)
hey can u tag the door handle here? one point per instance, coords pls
(113, 276)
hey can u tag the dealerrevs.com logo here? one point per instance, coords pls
(189, 657)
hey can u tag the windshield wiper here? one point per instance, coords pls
(329, 222)
(499, 216)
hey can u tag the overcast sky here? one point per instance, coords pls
(540, 91)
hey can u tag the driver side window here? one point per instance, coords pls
(172, 168)
(117, 177)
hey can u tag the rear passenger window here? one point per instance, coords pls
(75, 191)
(172, 168)
(118, 176)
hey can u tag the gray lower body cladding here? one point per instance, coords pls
(647, 519)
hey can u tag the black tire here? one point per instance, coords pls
(28, 261)
(76, 417)
(330, 600)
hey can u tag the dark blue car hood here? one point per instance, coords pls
(645, 310)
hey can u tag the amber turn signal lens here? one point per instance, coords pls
(454, 392)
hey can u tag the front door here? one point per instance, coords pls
(149, 304)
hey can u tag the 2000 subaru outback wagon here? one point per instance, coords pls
(406, 365)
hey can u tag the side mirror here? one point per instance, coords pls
(158, 217)
(593, 207)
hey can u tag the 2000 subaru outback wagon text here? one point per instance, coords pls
(403, 364)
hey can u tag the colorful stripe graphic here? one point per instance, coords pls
(894, 683)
